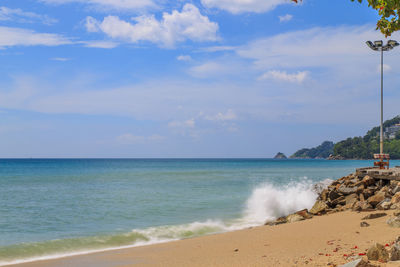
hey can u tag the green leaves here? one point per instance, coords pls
(389, 11)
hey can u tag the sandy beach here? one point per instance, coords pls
(320, 241)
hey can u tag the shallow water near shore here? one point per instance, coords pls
(55, 207)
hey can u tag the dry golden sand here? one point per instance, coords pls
(316, 242)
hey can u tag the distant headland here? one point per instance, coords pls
(358, 147)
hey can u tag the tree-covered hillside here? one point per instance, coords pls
(365, 147)
(321, 151)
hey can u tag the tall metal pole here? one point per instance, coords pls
(381, 141)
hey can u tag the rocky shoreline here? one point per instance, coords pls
(357, 193)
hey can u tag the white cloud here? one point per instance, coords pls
(241, 6)
(109, 4)
(184, 58)
(130, 139)
(285, 18)
(316, 47)
(18, 15)
(100, 44)
(208, 69)
(386, 68)
(172, 28)
(191, 123)
(23, 37)
(218, 48)
(298, 77)
(219, 68)
(229, 115)
(63, 59)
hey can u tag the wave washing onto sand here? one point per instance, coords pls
(267, 202)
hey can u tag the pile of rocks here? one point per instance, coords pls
(358, 193)
(378, 253)
(352, 192)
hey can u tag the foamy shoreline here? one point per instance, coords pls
(301, 243)
(265, 203)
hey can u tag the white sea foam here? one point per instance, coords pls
(266, 202)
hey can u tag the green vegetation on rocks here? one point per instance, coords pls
(322, 151)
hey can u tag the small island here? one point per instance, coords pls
(280, 155)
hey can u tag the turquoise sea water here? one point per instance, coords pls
(55, 207)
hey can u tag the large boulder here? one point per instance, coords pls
(280, 220)
(361, 206)
(377, 253)
(368, 180)
(319, 207)
(347, 190)
(305, 214)
(332, 195)
(395, 252)
(351, 199)
(374, 216)
(358, 263)
(394, 222)
(375, 199)
(396, 198)
(294, 218)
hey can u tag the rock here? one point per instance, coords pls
(339, 201)
(319, 207)
(362, 205)
(351, 199)
(367, 193)
(280, 220)
(396, 198)
(368, 180)
(347, 190)
(394, 222)
(374, 216)
(324, 195)
(375, 199)
(294, 218)
(305, 214)
(332, 195)
(395, 252)
(384, 205)
(358, 263)
(280, 155)
(396, 189)
(364, 224)
(377, 253)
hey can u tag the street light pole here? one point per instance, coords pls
(378, 46)
(381, 139)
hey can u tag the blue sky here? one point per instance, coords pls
(206, 78)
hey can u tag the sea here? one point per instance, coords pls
(51, 208)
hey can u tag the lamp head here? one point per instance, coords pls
(393, 43)
(371, 45)
(378, 44)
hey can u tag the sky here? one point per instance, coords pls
(201, 78)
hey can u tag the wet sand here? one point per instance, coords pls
(316, 242)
